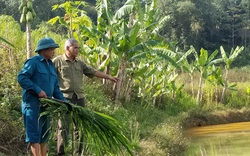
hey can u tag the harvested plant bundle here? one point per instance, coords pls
(102, 134)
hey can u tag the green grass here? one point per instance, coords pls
(158, 130)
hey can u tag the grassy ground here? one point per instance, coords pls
(152, 130)
(159, 130)
(11, 137)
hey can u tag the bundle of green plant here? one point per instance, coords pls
(102, 134)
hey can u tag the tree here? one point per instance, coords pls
(74, 17)
(138, 33)
(202, 63)
(27, 15)
(228, 60)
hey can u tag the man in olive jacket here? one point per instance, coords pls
(70, 71)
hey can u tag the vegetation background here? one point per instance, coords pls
(181, 63)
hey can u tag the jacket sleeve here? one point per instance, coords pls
(24, 77)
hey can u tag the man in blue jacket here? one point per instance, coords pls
(38, 79)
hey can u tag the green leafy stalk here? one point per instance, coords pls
(102, 134)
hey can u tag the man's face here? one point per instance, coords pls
(74, 49)
(49, 53)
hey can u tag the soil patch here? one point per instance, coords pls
(217, 117)
(11, 139)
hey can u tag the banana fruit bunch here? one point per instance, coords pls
(27, 11)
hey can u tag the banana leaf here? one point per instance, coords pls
(103, 135)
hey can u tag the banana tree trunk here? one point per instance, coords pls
(120, 84)
(216, 93)
(223, 94)
(192, 84)
(152, 85)
(199, 93)
(128, 88)
(28, 31)
(129, 84)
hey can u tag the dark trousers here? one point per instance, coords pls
(63, 130)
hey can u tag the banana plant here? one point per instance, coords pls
(202, 62)
(121, 38)
(142, 35)
(215, 77)
(173, 62)
(156, 74)
(228, 60)
(129, 31)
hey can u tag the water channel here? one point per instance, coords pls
(220, 140)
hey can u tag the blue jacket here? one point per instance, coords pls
(38, 75)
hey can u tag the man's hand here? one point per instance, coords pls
(42, 94)
(106, 76)
(66, 102)
(114, 79)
